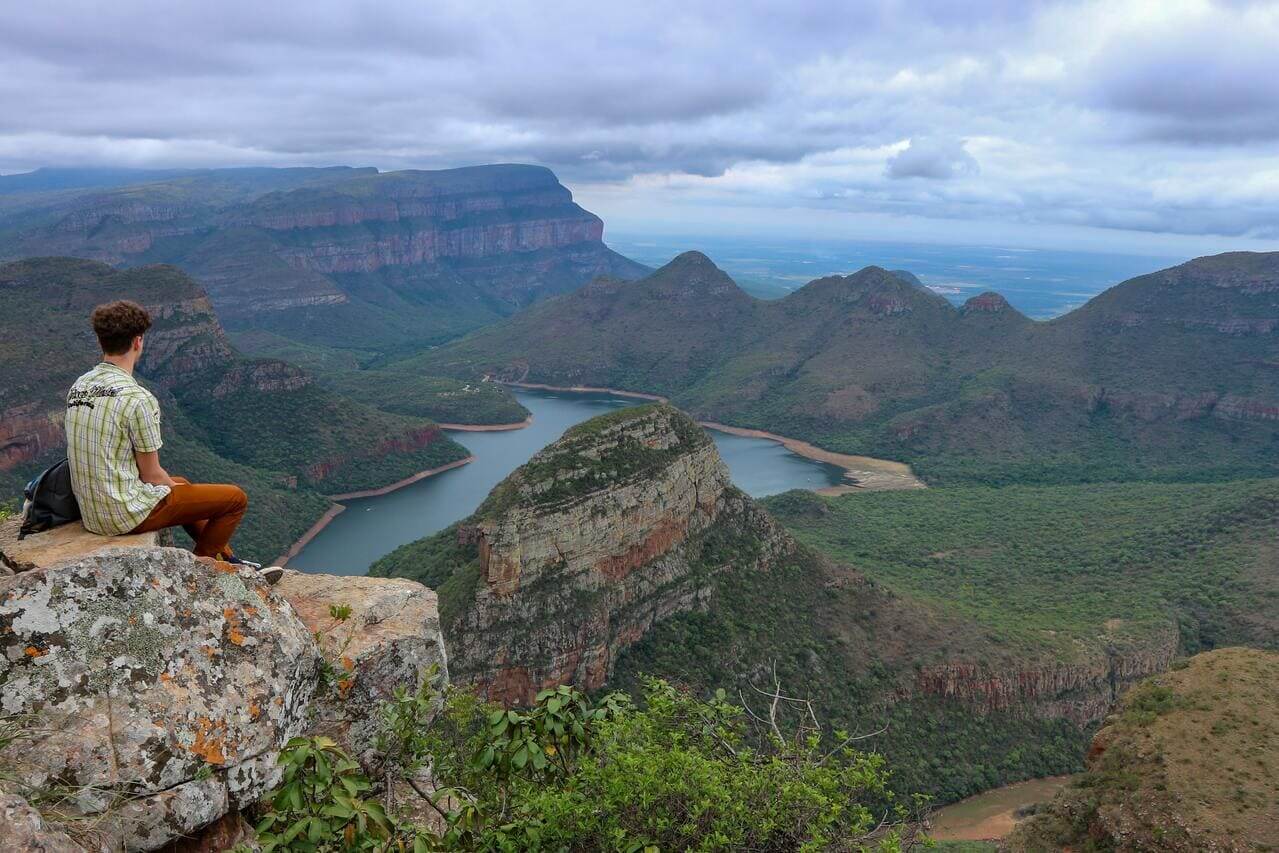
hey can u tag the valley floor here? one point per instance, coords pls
(993, 814)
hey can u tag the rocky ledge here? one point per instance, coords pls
(150, 691)
(68, 542)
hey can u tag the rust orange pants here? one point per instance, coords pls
(208, 512)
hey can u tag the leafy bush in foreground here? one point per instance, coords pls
(574, 775)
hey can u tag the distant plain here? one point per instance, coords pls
(1041, 283)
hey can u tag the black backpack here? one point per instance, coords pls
(49, 500)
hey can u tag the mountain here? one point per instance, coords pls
(260, 422)
(1185, 765)
(576, 554)
(1168, 376)
(339, 257)
(994, 627)
(46, 179)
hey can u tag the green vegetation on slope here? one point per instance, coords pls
(574, 775)
(605, 451)
(1063, 569)
(847, 647)
(449, 401)
(358, 375)
(1187, 764)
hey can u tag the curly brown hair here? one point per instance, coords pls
(117, 323)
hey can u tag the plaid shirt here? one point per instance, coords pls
(109, 417)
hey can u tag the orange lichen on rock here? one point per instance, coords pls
(210, 740)
(233, 631)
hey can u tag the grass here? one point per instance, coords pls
(1188, 764)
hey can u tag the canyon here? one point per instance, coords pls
(622, 550)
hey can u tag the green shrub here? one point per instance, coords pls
(571, 774)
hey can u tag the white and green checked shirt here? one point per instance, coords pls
(109, 416)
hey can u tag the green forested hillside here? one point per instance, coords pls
(1010, 579)
(1169, 376)
(1066, 570)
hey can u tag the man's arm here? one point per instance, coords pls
(143, 423)
(149, 469)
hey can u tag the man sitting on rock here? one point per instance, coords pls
(113, 446)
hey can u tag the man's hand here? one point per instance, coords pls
(150, 471)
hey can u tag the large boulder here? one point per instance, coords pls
(163, 686)
(389, 638)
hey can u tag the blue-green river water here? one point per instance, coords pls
(372, 527)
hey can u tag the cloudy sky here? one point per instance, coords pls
(1139, 126)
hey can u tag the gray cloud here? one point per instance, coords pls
(1103, 113)
(937, 159)
(1207, 81)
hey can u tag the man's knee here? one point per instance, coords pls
(240, 499)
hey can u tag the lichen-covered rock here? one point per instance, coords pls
(22, 828)
(390, 638)
(157, 676)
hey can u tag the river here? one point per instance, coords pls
(370, 527)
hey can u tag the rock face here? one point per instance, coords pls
(292, 243)
(1083, 692)
(579, 552)
(22, 828)
(390, 638)
(156, 675)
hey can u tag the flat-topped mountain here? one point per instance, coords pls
(261, 422)
(340, 257)
(1167, 376)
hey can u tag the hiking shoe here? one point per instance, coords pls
(270, 574)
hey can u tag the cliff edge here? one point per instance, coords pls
(145, 693)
